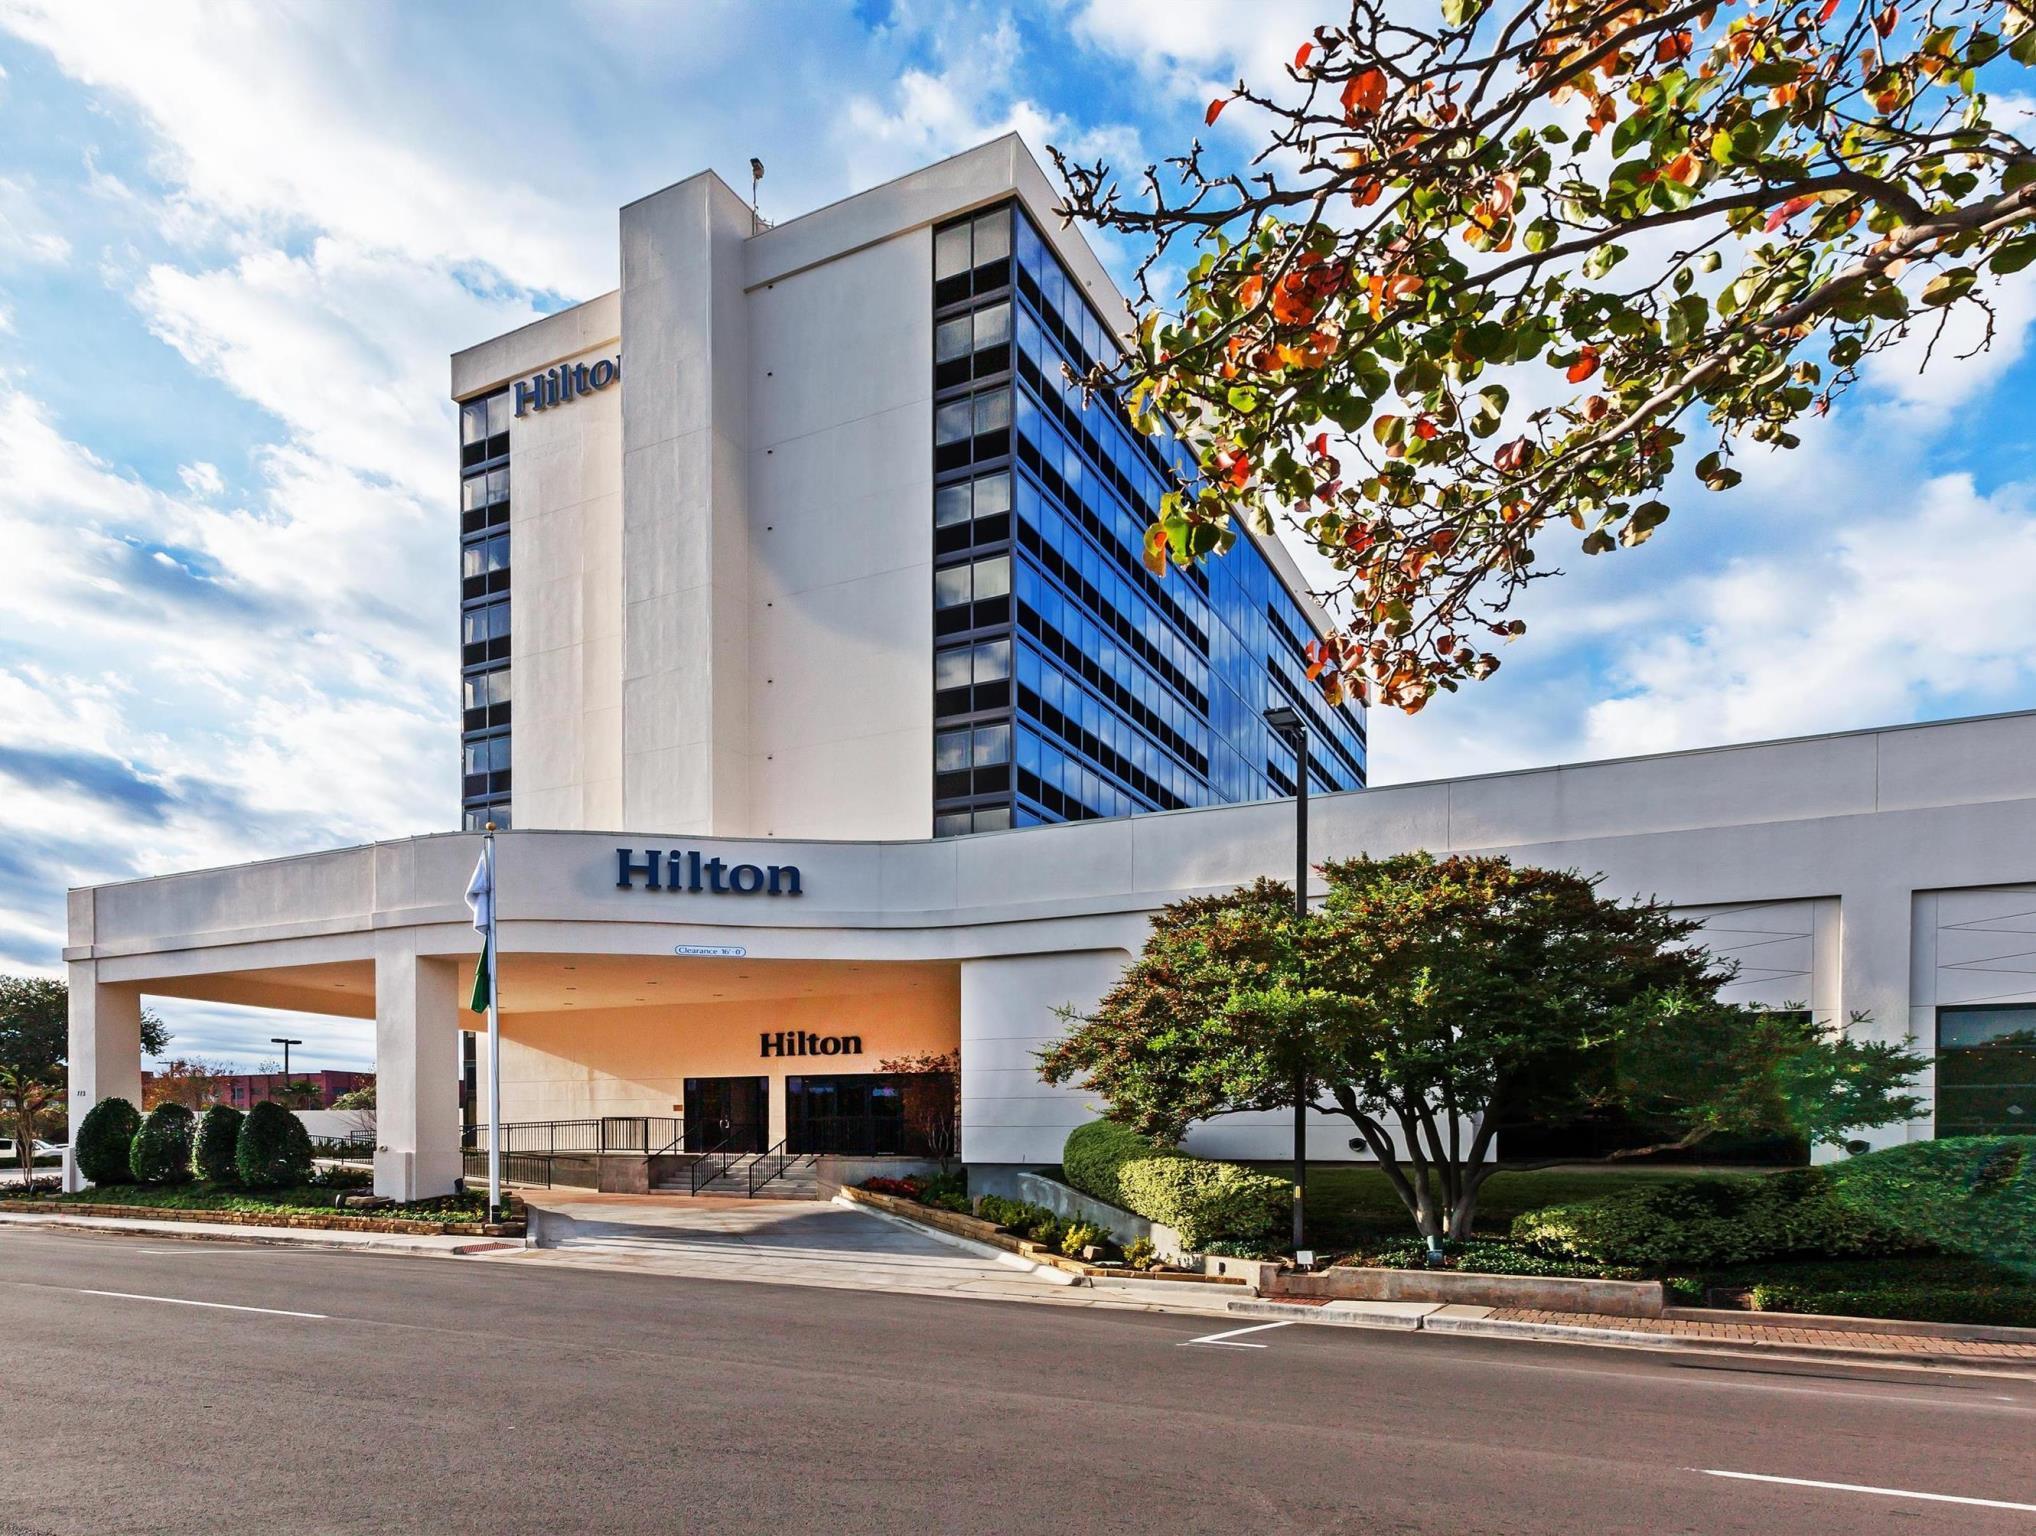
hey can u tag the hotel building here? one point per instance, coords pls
(810, 665)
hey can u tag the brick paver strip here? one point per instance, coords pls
(1758, 1333)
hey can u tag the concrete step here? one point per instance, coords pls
(799, 1182)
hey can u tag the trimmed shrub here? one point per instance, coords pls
(1022, 1218)
(1482, 1256)
(1202, 1200)
(1972, 1195)
(105, 1136)
(1078, 1235)
(161, 1150)
(273, 1148)
(1713, 1221)
(218, 1137)
(1096, 1152)
(2006, 1306)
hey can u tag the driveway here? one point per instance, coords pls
(783, 1242)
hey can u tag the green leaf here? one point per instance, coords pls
(1948, 287)
(1461, 13)
(1603, 259)
(2013, 256)
(1242, 399)
(1488, 411)
(1647, 517)
(1541, 234)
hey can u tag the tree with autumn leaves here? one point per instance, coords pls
(1493, 280)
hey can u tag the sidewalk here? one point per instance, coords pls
(1854, 1342)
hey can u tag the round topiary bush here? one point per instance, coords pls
(273, 1150)
(218, 1138)
(104, 1138)
(161, 1150)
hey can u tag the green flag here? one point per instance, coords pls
(479, 1001)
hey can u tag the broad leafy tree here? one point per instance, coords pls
(1498, 275)
(1434, 1003)
(35, 1026)
(31, 1108)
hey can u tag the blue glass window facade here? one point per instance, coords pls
(484, 611)
(1103, 690)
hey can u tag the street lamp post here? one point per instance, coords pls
(1289, 724)
(285, 1042)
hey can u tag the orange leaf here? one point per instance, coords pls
(1830, 9)
(1585, 365)
(1884, 23)
(1216, 109)
(1683, 168)
(1676, 45)
(1787, 211)
(1364, 93)
(1319, 445)
(1301, 56)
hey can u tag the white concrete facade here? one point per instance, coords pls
(1881, 872)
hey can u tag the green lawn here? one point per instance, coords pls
(1352, 1205)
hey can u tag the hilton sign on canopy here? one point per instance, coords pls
(555, 386)
(676, 871)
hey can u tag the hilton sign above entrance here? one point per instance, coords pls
(660, 870)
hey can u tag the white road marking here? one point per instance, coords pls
(1225, 1338)
(223, 1306)
(1886, 1493)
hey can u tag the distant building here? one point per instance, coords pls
(244, 1090)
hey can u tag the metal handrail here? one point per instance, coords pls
(693, 1179)
(784, 1160)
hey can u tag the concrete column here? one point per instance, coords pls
(105, 1047)
(416, 1071)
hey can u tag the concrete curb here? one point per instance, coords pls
(1395, 1317)
(967, 1245)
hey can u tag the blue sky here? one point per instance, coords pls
(237, 243)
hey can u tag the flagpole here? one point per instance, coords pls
(494, 1041)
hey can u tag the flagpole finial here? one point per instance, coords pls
(489, 827)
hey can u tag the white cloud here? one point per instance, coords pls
(1907, 609)
(346, 344)
(28, 230)
(201, 479)
(267, 120)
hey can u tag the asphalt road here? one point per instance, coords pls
(472, 1397)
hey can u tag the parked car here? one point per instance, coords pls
(44, 1152)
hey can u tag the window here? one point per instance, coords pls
(956, 584)
(480, 625)
(478, 816)
(973, 256)
(488, 755)
(950, 751)
(486, 689)
(992, 745)
(1986, 1071)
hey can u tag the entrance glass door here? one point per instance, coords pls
(730, 1110)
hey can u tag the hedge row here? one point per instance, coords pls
(1203, 1201)
(267, 1148)
(1966, 1195)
